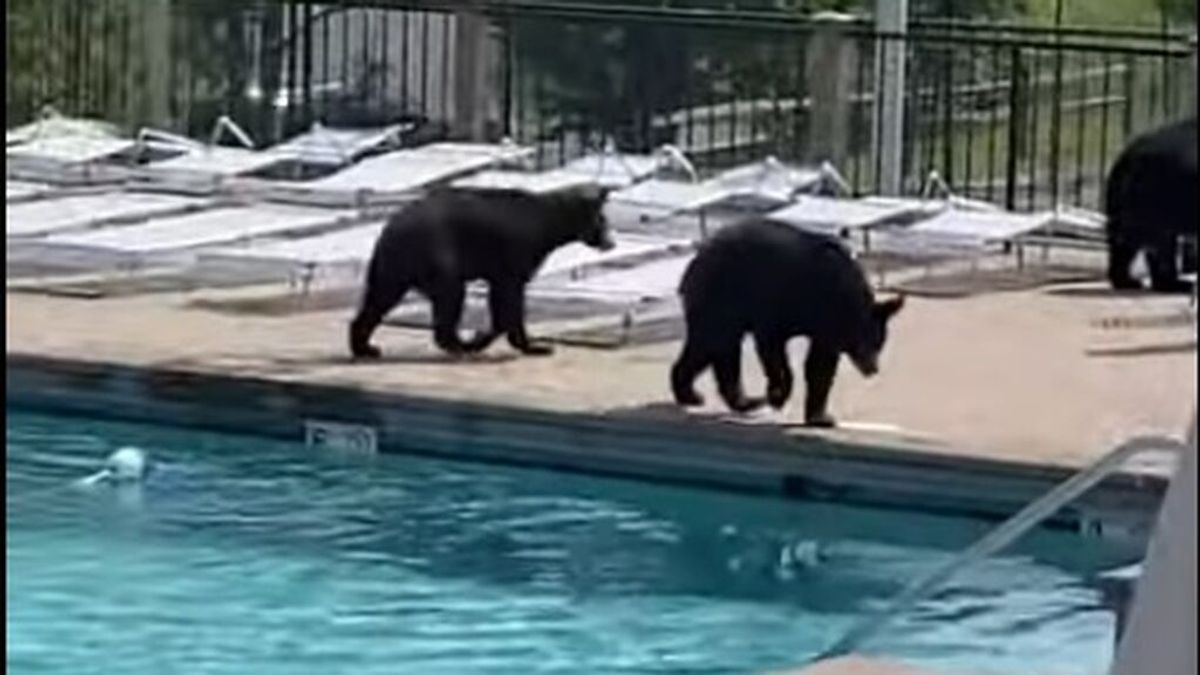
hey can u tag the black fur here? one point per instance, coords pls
(450, 237)
(1150, 201)
(776, 282)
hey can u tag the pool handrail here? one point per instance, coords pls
(1000, 537)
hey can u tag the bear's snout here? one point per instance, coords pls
(604, 242)
(868, 366)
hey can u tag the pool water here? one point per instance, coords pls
(244, 555)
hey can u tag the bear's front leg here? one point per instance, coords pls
(447, 299)
(772, 354)
(507, 304)
(691, 362)
(380, 297)
(820, 367)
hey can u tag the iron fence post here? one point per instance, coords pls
(891, 19)
(156, 41)
(830, 63)
(1016, 118)
(474, 90)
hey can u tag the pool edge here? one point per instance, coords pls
(743, 458)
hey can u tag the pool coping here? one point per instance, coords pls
(702, 453)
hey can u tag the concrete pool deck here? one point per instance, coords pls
(1029, 383)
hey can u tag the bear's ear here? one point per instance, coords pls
(596, 194)
(888, 308)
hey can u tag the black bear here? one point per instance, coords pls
(777, 282)
(450, 237)
(1150, 202)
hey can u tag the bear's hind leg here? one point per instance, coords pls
(772, 354)
(820, 367)
(1121, 252)
(727, 367)
(1164, 267)
(378, 299)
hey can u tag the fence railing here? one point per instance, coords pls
(1024, 116)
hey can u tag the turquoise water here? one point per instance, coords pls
(243, 555)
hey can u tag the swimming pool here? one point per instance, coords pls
(244, 555)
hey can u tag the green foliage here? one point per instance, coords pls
(66, 55)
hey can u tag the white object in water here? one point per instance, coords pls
(804, 554)
(126, 465)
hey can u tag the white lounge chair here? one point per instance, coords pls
(390, 178)
(771, 182)
(175, 239)
(756, 186)
(606, 169)
(16, 191)
(577, 261)
(70, 160)
(81, 212)
(615, 170)
(618, 303)
(342, 256)
(950, 225)
(543, 182)
(845, 217)
(207, 167)
(652, 280)
(192, 167)
(958, 235)
(1074, 227)
(612, 293)
(51, 124)
(659, 200)
(332, 146)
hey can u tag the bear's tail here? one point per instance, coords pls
(1123, 243)
(1116, 190)
(372, 278)
(691, 284)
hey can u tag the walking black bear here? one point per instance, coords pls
(777, 282)
(1150, 202)
(450, 237)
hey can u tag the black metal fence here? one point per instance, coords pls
(1035, 121)
(1027, 117)
(274, 67)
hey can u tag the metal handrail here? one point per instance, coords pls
(1003, 535)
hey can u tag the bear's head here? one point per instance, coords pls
(869, 340)
(583, 214)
